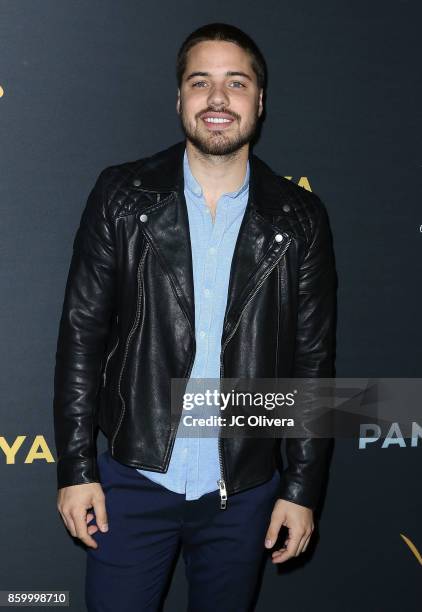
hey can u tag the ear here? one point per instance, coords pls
(260, 103)
(178, 102)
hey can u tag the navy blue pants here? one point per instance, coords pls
(223, 550)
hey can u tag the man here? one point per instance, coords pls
(196, 262)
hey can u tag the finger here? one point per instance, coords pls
(308, 537)
(100, 513)
(70, 525)
(291, 546)
(307, 542)
(91, 528)
(273, 531)
(301, 544)
(271, 535)
(82, 530)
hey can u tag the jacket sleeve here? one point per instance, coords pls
(307, 470)
(88, 304)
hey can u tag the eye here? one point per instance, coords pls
(235, 82)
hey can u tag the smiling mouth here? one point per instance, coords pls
(217, 123)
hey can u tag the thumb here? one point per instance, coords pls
(100, 515)
(272, 533)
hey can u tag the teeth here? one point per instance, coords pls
(217, 120)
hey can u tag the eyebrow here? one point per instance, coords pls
(228, 73)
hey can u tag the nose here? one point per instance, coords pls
(217, 96)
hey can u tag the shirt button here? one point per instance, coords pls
(211, 250)
(207, 210)
(207, 292)
(279, 237)
(202, 334)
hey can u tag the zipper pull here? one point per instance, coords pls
(223, 493)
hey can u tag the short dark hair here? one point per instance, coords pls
(229, 33)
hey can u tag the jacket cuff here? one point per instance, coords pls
(297, 492)
(76, 471)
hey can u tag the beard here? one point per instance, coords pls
(219, 143)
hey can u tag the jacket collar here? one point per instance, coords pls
(163, 173)
(262, 241)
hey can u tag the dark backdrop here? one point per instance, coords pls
(89, 84)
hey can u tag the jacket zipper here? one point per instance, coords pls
(132, 331)
(222, 480)
(110, 355)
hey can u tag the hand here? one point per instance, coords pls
(299, 521)
(73, 503)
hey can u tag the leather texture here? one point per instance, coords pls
(127, 323)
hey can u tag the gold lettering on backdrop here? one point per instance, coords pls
(44, 452)
(302, 182)
(39, 449)
(10, 451)
(412, 548)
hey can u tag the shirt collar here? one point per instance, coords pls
(195, 188)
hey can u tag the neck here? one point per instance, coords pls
(218, 174)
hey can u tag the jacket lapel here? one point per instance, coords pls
(260, 244)
(257, 252)
(167, 231)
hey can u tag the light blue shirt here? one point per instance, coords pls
(194, 465)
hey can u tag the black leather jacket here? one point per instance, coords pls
(127, 324)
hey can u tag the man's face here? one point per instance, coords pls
(208, 90)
